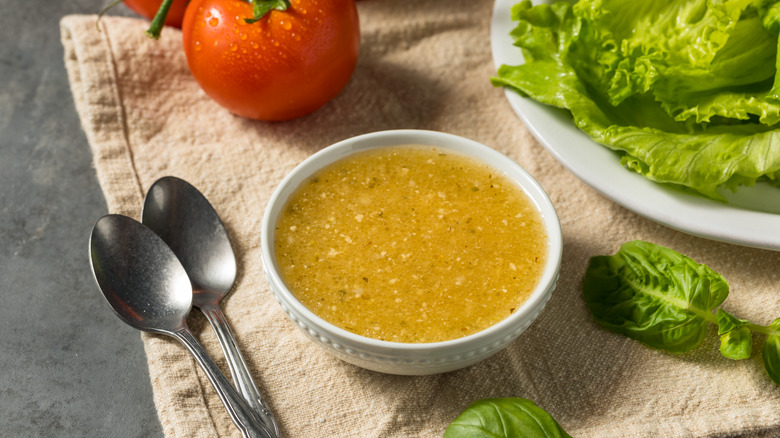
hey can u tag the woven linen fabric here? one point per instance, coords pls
(422, 65)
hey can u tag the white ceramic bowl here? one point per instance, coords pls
(407, 358)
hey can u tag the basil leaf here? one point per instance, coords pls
(728, 322)
(737, 344)
(736, 341)
(771, 352)
(653, 294)
(505, 417)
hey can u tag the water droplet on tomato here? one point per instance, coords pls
(233, 47)
(255, 45)
(242, 36)
(274, 42)
(213, 21)
(296, 37)
(197, 46)
(286, 25)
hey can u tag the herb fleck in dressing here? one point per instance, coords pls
(411, 244)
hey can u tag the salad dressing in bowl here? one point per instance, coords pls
(419, 220)
(411, 244)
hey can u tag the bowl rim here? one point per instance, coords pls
(508, 167)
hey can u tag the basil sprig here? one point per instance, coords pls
(505, 417)
(664, 299)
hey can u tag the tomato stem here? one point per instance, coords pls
(155, 27)
(104, 10)
(262, 7)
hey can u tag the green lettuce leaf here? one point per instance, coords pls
(702, 108)
(684, 91)
(505, 417)
(653, 294)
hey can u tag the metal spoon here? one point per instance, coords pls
(187, 222)
(148, 288)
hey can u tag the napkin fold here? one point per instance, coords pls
(422, 65)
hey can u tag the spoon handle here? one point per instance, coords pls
(241, 414)
(243, 379)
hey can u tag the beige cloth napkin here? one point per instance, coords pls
(423, 64)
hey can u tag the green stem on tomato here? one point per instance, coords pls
(155, 27)
(261, 7)
(106, 9)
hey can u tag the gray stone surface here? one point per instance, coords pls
(70, 368)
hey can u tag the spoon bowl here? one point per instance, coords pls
(178, 213)
(146, 267)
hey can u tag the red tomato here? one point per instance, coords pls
(148, 8)
(286, 65)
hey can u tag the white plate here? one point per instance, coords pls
(750, 218)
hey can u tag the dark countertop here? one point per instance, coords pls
(70, 367)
